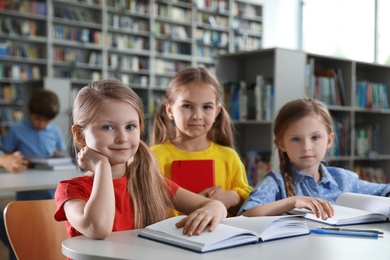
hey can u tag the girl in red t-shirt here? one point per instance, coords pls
(122, 188)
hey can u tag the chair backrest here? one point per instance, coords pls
(32, 230)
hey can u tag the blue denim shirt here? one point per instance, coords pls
(334, 182)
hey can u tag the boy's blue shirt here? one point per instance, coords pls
(23, 137)
(334, 182)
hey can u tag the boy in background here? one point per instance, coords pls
(36, 136)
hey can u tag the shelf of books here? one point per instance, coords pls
(77, 39)
(256, 85)
(247, 25)
(143, 43)
(356, 95)
(23, 56)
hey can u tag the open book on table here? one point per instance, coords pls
(234, 231)
(353, 208)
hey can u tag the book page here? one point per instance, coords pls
(344, 216)
(223, 236)
(371, 203)
(270, 227)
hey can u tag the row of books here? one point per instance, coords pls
(20, 72)
(88, 2)
(35, 7)
(257, 164)
(11, 93)
(214, 38)
(82, 35)
(140, 7)
(342, 130)
(249, 101)
(169, 47)
(218, 5)
(171, 30)
(247, 26)
(76, 74)
(240, 8)
(174, 13)
(209, 52)
(371, 95)
(371, 174)
(215, 21)
(75, 14)
(367, 139)
(21, 50)
(166, 66)
(125, 62)
(367, 142)
(25, 27)
(326, 85)
(122, 42)
(126, 23)
(246, 42)
(131, 79)
(77, 56)
(162, 82)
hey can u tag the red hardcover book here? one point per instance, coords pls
(193, 175)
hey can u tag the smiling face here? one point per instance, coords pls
(194, 111)
(114, 132)
(306, 143)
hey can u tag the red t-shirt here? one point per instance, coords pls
(81, 188)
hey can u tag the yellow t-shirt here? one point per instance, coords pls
(230, 172)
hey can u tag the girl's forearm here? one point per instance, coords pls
(100, 208)
(270, 209)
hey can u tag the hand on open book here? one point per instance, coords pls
(208, 216)
(321, 208)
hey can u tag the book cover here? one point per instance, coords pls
(52, 160)
(353, 208)
(231, 232)
(193, 175)
(56, 167)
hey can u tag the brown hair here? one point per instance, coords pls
(147, 188)
(164, 128)
(290, 113)
(44, 103)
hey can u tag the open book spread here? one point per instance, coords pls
(354, 208)
(234, 231)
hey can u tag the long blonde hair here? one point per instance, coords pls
(222, 131)
(146, 186)
(290, 113)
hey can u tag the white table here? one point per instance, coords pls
(126, 245)
(34, 180)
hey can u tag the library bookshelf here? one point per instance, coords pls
(141, 42)
(284, 70)
(361, 116)
(362, 121)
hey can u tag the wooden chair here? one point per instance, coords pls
(32, 230)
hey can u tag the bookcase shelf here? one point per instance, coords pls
(143, 43)
(365, 125)
(245, 69)
(360, 131)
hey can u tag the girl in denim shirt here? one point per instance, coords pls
(303, 135)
